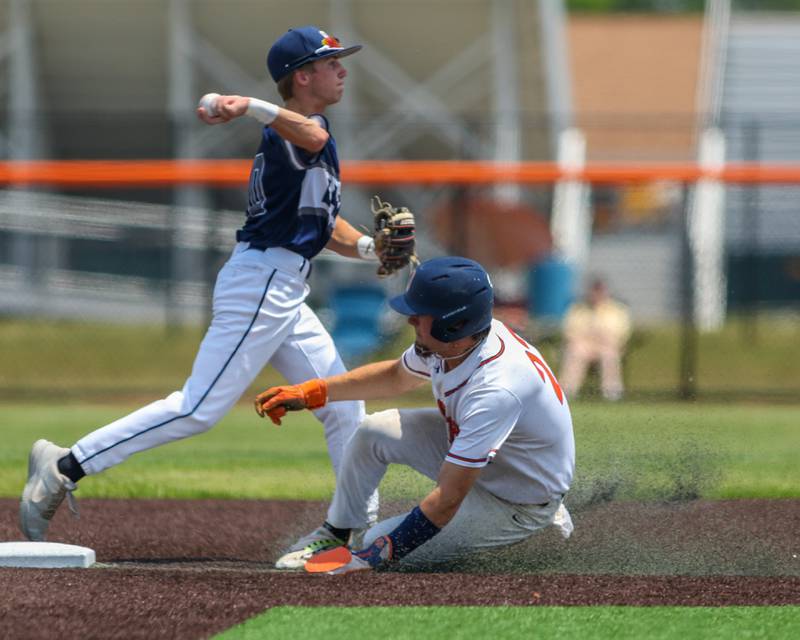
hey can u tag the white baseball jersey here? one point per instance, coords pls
(505, 411)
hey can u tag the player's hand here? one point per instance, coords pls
(225, 108)
(230, 107)
(276, 401)
(372, 557)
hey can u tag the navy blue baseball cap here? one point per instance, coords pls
(300, 46)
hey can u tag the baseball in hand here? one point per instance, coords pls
(209, 103)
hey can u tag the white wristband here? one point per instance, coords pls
(262, 110)
(366, 248)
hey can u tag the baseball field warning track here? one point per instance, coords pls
(187, 569)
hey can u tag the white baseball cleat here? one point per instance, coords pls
(319, 540)
(44, 491)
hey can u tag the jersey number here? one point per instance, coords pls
(541, 368)
(452, 428)
(256, 198)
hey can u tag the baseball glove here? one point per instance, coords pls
(394, 236)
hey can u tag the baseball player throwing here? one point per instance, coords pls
(499, 444)
(259, 313)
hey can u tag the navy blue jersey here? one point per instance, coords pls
(294, 195)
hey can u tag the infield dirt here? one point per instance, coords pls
(189, 569)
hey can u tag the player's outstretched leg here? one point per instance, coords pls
(44, 491)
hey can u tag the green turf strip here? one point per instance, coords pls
(636, 623)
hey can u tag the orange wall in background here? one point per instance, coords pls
(634, 80)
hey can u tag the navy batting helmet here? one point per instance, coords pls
(456, 291)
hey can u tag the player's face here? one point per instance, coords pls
(453, 353)
(425, 343)
(327, 80)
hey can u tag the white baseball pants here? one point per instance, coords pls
(418, 438)
(259, 316)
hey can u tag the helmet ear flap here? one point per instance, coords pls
(444, 332)
(474, 316)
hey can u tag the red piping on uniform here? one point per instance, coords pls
(483, 362)
(452, 391)
(520, 340)
(422, 373)
(496, 355)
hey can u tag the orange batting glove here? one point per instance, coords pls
(276, 401)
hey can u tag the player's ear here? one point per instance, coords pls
(302, 77)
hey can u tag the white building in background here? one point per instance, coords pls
(458, 79)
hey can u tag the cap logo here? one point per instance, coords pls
(330, 41)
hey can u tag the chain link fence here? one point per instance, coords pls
(119, 270)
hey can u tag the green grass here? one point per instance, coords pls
(744, 356)
(91, 361)
(643, 451)
(73, 358)
(618, 623)
(664, 450)
(242, 457)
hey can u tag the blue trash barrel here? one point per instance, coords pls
(551, 289)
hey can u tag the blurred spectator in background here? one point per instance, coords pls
(595, 330)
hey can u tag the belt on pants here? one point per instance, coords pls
(284, 259)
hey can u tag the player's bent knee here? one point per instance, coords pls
(203, 422)
(381, 423)
(175, 402)
(378, 426)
